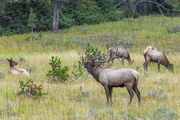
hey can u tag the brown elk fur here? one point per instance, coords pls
(153, 55)
(120, 53)
(110, 78)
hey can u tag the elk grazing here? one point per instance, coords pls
(151, 54)
(110, 78)
(120, 53)
(14, 70)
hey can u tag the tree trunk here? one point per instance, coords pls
(130, 5)
(56, 10)
(145, 9)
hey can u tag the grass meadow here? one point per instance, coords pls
(84, 98)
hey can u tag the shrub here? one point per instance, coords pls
(66, 20)
(165, 114)
(78, 70)
(90, 53)
(30, 68)
(127, 43)
(57, 72)
(173, 29)
(157, 93)
(2, 75)
(95, 53)
(7, 109)
(30, 88)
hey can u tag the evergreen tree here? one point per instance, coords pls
(32, 20)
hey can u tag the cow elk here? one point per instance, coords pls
(15, 70)
(120, 53)
(151, 54)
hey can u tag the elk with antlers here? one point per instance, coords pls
(110, 78)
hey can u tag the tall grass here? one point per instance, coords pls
(66, 101)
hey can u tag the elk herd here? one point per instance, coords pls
(109, 77)
(124, 77)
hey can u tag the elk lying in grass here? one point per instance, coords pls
(110, 78)
(120, 53)
(151, 54)
(14, 70)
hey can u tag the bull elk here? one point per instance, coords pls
(110, 78)
(151, 54)
(14, 70)
(120, 53)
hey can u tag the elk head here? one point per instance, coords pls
(109, 48)
(12, 62)
(90, 63)
(171, 67)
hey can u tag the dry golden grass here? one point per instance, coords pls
(66, 101)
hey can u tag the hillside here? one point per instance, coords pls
(159, 31)
(159, 91)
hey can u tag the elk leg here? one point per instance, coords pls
(158, 65)
(136, 90)
(110, 94)
(122, 61)
(145, 66)
(129, 60)
(131, 94)
(107, 93)
(111, 59)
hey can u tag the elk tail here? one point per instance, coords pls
(145, 50)
(136, 75)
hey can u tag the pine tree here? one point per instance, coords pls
(32, 20)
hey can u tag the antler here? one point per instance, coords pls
(100, 59)
(93, 55)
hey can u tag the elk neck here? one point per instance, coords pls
(11, 65)
(96, 71)
(166, 61)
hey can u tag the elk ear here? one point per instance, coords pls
(8, 59)
(93, 61)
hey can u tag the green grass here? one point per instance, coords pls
(65, 101)
(144, 31)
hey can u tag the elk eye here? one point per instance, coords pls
(93, 65)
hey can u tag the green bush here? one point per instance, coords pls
(78, 70)
(57, 72)
(66, 20)
(94, 53)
